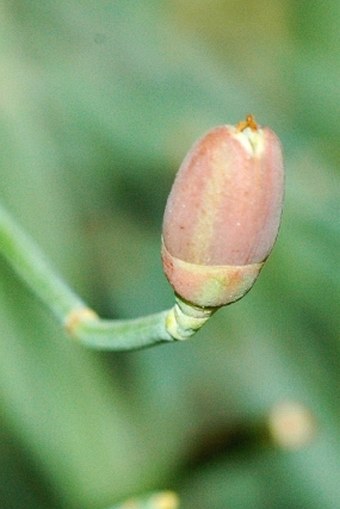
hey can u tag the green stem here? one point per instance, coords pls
(80, 321)
(179, 322)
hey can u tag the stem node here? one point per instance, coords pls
(184, 319)
(77, 316)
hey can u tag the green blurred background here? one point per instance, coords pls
(99, 102)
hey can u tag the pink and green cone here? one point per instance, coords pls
(223, 214)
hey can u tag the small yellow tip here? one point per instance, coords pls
(250, 135)
(249, 122)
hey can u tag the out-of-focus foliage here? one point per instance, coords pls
(99, 102)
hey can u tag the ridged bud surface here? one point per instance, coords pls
(223, 214)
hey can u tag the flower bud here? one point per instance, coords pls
(291, 425)
(223, 214)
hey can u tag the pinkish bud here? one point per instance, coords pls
(223, 214)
